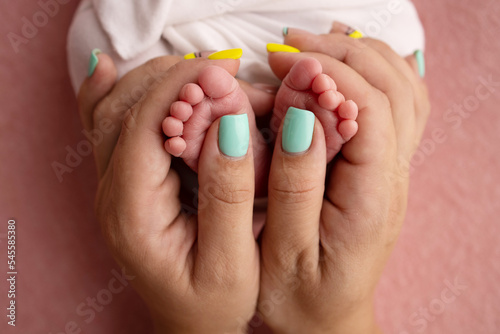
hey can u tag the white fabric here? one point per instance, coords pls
(135, 31)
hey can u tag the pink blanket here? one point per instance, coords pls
(442, 277)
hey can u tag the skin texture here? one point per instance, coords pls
(320, 255)
(203, 267)
(324, 254)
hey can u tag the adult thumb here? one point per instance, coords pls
(296, 189)
(226, 195)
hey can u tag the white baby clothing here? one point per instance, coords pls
(132, 32)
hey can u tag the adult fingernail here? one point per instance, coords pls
(234, 135)
(93, 61)
(295, 31)
(190, 55)
(200, 54)
(298, 130)
(419, 56)
(345, 29)
(356, 34)
(226, 54)
(273, 47)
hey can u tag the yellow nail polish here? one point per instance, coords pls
(190, 56)
(356, 34)
(227, 54)
(273, 47)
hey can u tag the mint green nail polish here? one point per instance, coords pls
(93, 61)
(298, 130)
(234, 135)
(419, 56)
(285, 31)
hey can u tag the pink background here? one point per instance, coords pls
(452, 231)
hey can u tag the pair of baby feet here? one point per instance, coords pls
(217, 94)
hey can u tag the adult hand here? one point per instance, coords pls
(323, 252)
(198, 274)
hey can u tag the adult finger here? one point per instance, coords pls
(142, 138)
(105, 116)
(93, 91)
(372, 66)
(99, 82)
(417, 63)
(356, 88)
(413, 68)
(226, 197)
(295, 196)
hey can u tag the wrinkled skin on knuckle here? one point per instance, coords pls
(307, 268)
(285, 195)
(129, 120)
(293, 185)
(229, 193)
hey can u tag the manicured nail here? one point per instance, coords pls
(227, 54)
(93, 61)
(344, 28)
(234, 135)
(273, 47)
(298, 130)
(419, 56)
(190, 55)
(200, 54)
(297, 31)
(356, 34)
(285, 31)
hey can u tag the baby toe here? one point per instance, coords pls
(348, 129)
(172, 127)
(303, 73)
(348, 110)
(181, 110)
(330, 99)
(175, 146)
(191, 93)
(322, 83)
(217, 82)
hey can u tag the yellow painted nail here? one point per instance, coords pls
(227, 54)
(273, 47)
(190, 56)
(356, 34)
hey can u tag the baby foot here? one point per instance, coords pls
(306, 87)
(216, 94)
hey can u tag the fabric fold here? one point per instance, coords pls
(135, 26)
